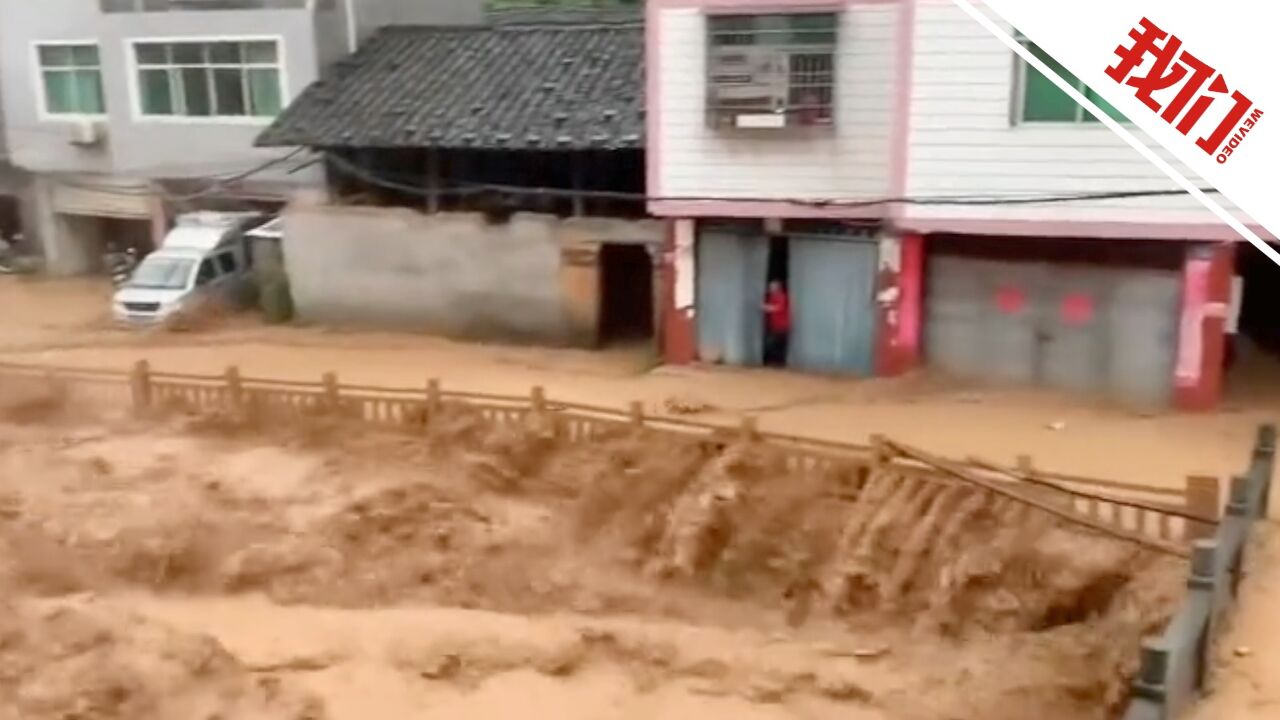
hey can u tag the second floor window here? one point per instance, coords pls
(1043, 101)
(209, 79)
(71, 79)
(783, 64)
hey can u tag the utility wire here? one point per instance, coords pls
(238, 177)
(412, 186)
(204, 170)
(467, 189)
(218, 182)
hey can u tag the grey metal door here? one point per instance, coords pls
(981, 318)
(1073, 329)
(1142, 327)
(1076, 328)
(954, 311)
(732, 269)
(1010, 341)
(832, 286)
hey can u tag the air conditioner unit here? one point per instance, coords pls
(764, 87)
(747, 87)
(87, 133)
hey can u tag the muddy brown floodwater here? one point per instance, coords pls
(66, 322)
(215, 566)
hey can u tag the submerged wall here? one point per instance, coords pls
(532, 279)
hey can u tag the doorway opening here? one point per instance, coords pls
(1255, 363)
(775, 351)
(10, 217)
(82, 241)
(124, 234)
(626, 294)
(779, 260)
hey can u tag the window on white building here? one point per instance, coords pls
(1042, 101)
(71, 79)
(775, 70)
(224, 78)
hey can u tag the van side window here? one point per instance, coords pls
(227, 263)
(207, 272)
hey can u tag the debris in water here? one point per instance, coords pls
(861, 653)
(686, 406)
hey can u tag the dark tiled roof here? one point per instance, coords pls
(544, 85)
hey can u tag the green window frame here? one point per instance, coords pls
(71, 79)
(1040, 100)
(209, 79)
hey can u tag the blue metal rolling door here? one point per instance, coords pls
(832, 286)
(731, 268)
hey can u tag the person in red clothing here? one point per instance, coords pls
(777, 325)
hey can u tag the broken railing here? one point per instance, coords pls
(1170, 518)
(1174, 671)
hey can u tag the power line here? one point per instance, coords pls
(203, 170)
(347, 167)
(218, 182)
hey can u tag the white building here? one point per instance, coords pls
(115, 108)
(830, 145)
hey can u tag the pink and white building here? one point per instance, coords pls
(875, 156)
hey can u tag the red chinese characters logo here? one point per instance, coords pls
(1190, 87)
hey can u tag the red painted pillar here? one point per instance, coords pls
(1206, 297)
(679, 334)
(899, 304)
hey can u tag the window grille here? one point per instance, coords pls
(772, 70)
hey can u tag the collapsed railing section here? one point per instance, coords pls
(1173, 516)
(1175, 666)
(1053, 502)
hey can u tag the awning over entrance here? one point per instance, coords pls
(102, 197)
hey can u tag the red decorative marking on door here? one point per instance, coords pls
(1077, 309)
(1011, 300)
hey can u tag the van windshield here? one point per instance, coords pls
(162, 273)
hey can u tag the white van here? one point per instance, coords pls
(203, 258)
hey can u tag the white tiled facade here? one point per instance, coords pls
(849, 161)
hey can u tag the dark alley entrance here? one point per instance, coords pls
(626, 294)
(1254, 370)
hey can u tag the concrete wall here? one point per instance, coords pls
(4, 136)
(13, 181)
(374, 14)
(333, 36)
(532, 279)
